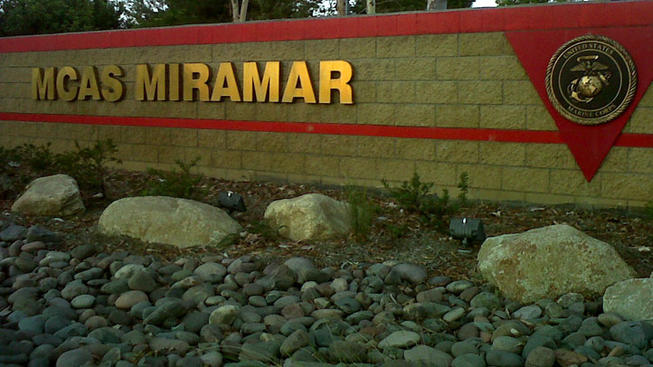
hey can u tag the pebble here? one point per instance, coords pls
(124, 310)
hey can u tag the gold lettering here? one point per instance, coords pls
(173, 70)
(225, 84)
(196, 77)
(66, 73)
(43, 84)
(266, 87)
(88, 86)
(112, 87)
(298, 75)
(341, 83)
(151, 88)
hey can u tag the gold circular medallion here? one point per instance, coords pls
(591, 80)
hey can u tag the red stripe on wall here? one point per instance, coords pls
(440, 133)
(561, 16)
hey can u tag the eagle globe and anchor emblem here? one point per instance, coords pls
(591, 80)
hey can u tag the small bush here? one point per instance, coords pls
(265, 230)
(416, 196)
(87, 165)
(179, 183)
(362, 211)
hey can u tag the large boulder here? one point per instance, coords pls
(631, 299)
(309, 217)
(173, 221)
(550, 261)
(56, 195)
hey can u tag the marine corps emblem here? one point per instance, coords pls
(591, 80)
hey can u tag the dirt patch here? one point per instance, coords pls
(395, 234)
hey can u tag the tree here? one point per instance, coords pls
(20, 17)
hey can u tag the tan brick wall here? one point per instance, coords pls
(471, 80)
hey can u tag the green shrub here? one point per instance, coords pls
(87, 165)
(179, 183)
(417, 197)
(362, 211)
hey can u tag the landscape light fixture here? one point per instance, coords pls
(231, 201)
(468, 230)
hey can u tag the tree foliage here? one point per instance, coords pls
(20, 17)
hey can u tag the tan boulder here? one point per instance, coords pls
(173, 221)
(56, 195)
(309, 217)
(550, 261)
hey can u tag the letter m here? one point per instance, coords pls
(43, 84)
(151, 88)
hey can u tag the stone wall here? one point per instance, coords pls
(451, 84)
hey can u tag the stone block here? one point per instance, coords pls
(641, 121)
(415, 115)
(457, 151)
(357, 48)
(364, 91)
(572, 182)
(415, 69)
(378, 147)
(358, 168)
(501, 68)
(374, 69)
(211, 110)
(457, 68)
(481, 176)
(616, 160)
(480, 92)
(304, 143)
(340, 145)
(441, 174)
(321, 49)
(241, 140)
(204, 155)
(525, 179)
(208, 138)
(444, 92)
(271, 142)
(395, 169)
(549, 156)
(395, 92)
(417, 149)
(240, 111)
(436, 45)
(503, 117)
(226, 159)
(630, 186)
(471, 44)
(548, 199)
(520, 92)
(457, 116)
(287, 50)
(538, 118)
(184, 137)
(322, 166)
(640, 160)
(376, 113)
(400, 46)
(508, 154)
(170, 154)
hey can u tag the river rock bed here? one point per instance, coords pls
(84, 307)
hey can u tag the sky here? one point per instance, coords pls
(484, 4)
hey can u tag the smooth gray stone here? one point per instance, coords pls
(636, 333)
(500, 358)
(75, 357)
(486, 299)
(12, 233)
(468, 360)
(541, 357)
